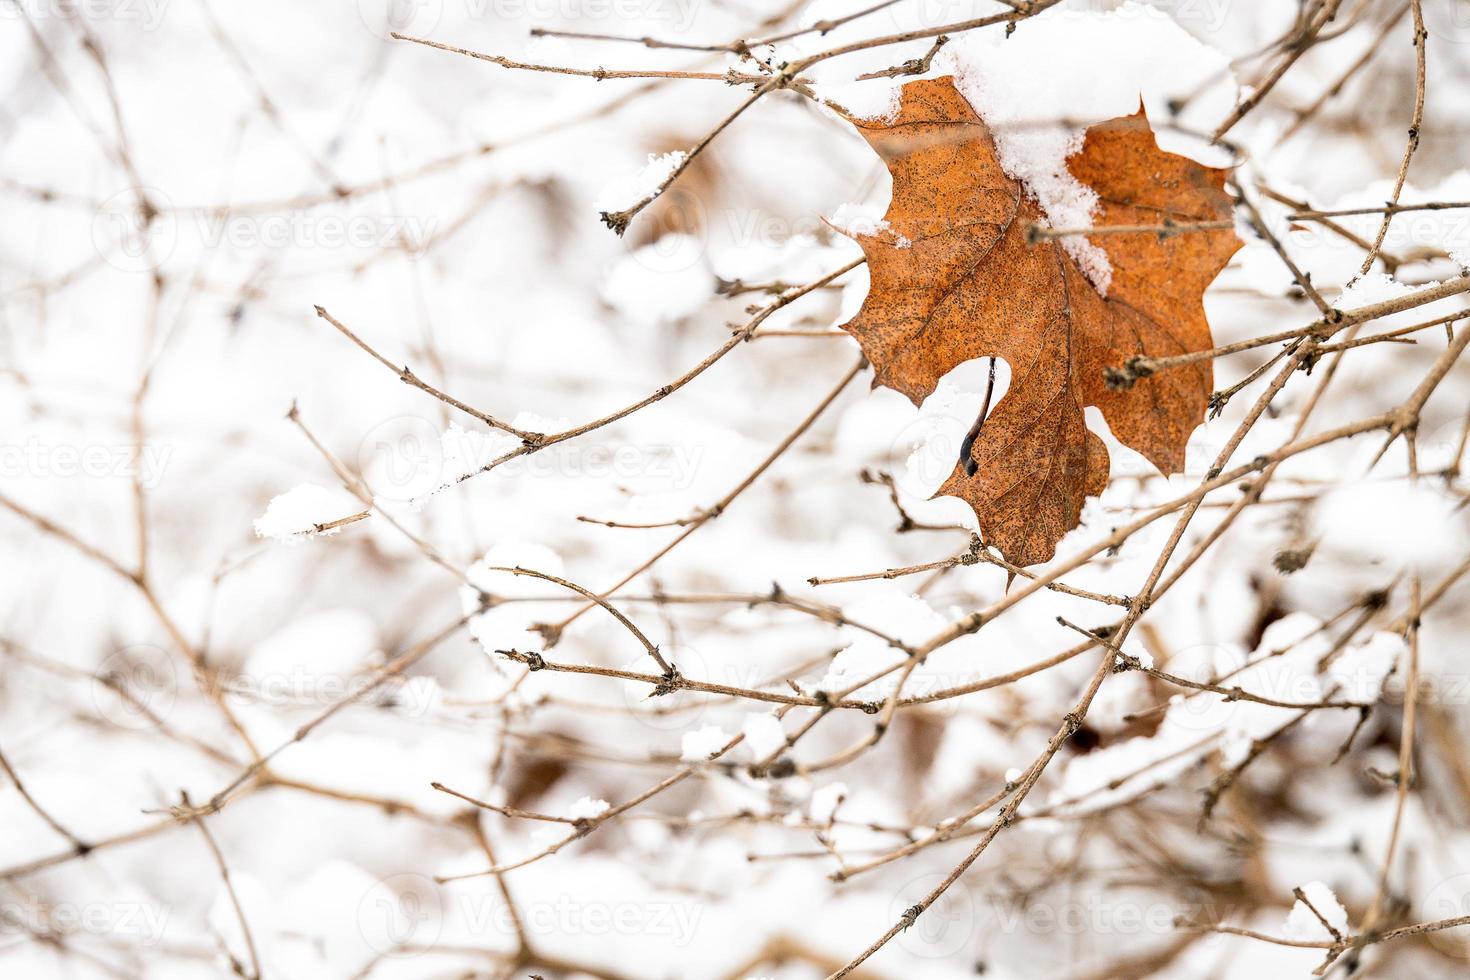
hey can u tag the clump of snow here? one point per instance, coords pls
(587, 808)
(1303, 924)
(930, 444)
(1375, 287)
(802, 257)
(702, 745)
(865, 219)
(1039, 115)
(534, 422)
(513, 554)
(908, 618)
(864, 658)
(873, 100)
(1395, 523)
(1410, 232)
(825, 801)
(1123, 696)
(1362, 668)
(548, 50)
(858, 218)
(1196, 724)
(1283, 667)
(763, 733)
(510, 625)
(255, 904)
(467, 451)
(1119, 771)
(626, 191)
(1449, 229)
(463, 452)
(331, 642)
(391, 911)
(292, 516)
(662, 281)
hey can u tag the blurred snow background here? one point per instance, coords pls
(183, 182)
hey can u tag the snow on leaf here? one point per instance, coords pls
(972, 283)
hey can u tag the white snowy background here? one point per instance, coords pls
(446, 211)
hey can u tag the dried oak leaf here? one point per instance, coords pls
(955, 278)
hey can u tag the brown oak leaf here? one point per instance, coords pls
(954, 278)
